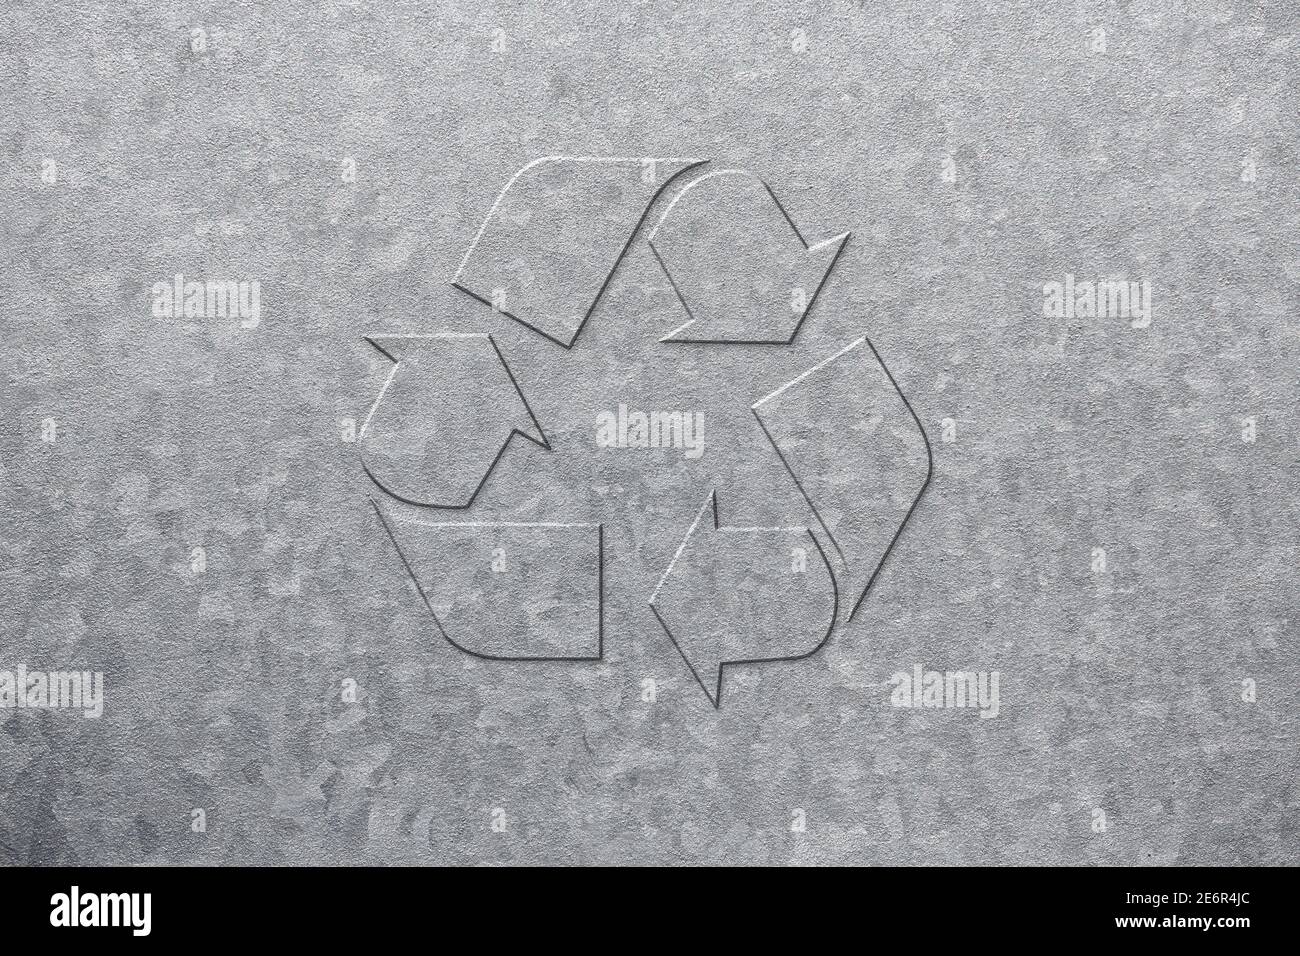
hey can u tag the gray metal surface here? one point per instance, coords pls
(1112, 526)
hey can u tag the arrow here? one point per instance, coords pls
(443, 419)
(862, 461)
(507, 590)
(744, 596)
(556, 234)
(741, 268)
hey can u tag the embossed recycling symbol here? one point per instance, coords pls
(658, 422)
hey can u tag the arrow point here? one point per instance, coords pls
(438, 429)
(528, 427)
(711, 676)
(390, 346)
(828, 250)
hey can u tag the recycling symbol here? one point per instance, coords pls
(665, 419)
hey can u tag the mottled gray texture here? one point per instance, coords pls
(1120, 690)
